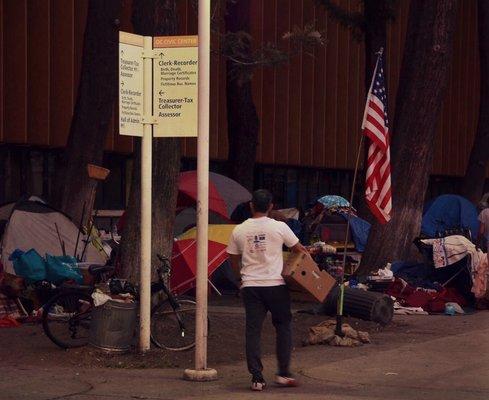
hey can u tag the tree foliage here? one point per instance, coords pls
(361, 23)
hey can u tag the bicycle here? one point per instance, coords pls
(66, 316)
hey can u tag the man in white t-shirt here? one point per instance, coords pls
(257, 245)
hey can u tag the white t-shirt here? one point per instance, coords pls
(260, 241)
(484, 218)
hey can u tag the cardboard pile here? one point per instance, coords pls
(303, 275)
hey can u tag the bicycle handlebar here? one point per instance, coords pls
(166, 264)
(163, 259)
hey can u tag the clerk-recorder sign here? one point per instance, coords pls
(175, 74)
(175, 85)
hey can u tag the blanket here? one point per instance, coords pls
(450, 249)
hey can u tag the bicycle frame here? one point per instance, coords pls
(162, 271)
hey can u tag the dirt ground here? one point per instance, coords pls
(28, 345)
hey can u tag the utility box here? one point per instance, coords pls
(302, 274)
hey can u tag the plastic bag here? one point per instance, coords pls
(62, 268)
(29, 265)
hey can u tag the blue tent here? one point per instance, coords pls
(449, 211)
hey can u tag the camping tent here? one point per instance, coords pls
(187, 218)
(449, 211)
(225, 195)
(31, 224)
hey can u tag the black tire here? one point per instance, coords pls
(166, 332)
(66, 319)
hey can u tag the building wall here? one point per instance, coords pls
(310, 109)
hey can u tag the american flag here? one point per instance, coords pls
(376, 127)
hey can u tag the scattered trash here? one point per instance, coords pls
(383, 275)
(401, 310)
(453, 308)
(8, 322)
(100, 298)
(324, 333)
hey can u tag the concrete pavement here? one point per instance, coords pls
(447, 367)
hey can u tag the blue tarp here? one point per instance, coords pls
(359, 230)
(449, 212)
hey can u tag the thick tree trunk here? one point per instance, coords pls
(243, 122)
(475, 174)
(423, 79)
(152, 18)
(97, 92)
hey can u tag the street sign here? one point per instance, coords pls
(130, 84)
(175, 86)
(158, 91)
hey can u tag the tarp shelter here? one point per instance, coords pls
(449, 212)
(31, 224)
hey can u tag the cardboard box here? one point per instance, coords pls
(302, 274)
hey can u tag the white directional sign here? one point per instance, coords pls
(175, 74)
(130, 84)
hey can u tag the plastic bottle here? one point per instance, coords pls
(449, 310)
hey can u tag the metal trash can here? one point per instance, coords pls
(112, 326)
(358, 303)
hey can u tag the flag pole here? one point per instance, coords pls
(340, 300)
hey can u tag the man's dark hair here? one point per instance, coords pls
(261, 200)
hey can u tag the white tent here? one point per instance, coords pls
(31, 224)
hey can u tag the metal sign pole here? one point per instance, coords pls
(201, 372)
(146, 178)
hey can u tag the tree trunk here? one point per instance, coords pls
(475, 174)
(243, 122)
(97, 92)
(423, 79)
(152, 18)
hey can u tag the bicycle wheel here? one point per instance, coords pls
(174, 329)
(66, 319)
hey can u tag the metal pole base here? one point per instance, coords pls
(200, 375)
(338, 331)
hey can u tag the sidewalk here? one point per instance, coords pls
(430, 367)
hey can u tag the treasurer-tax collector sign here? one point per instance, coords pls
(174, 61)
(175, 73)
